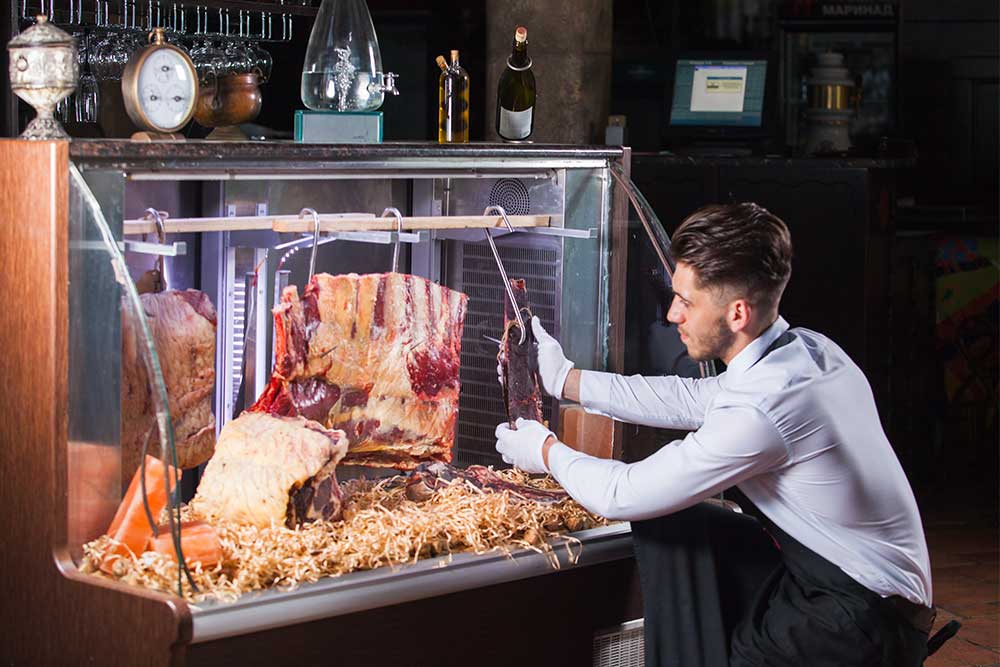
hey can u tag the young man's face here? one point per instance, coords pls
(700, 317)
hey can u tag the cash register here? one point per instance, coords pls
(720, 104)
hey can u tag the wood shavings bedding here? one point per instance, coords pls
(381, 527)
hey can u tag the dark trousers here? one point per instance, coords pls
(719, 590)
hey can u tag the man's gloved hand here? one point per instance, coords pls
(553, 366)
(523, 447)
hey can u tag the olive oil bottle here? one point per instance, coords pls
(516, 92)
(453, 102)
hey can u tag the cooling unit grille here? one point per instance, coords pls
(620, 647)
(481, 402)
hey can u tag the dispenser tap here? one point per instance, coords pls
(388, 84)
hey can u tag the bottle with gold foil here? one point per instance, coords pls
(453, 102)
(516, 92)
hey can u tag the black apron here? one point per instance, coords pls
(722, 588)
(718, 590)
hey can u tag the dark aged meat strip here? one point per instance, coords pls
(376, 356)
(520, 360)
(422, 482)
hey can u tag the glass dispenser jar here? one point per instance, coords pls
(343, 67)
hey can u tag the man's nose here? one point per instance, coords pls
(675, 314)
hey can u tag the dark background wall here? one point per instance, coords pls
(939, 100)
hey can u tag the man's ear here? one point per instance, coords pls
(738, 315)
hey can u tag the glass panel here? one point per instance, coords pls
(585, 323)
(101, 294)
(94, 346)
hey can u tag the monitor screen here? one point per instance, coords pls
(719, 92)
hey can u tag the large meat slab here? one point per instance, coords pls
(182, 324)
(276, 470)
(374, 355)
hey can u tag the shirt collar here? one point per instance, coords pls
(753, 352)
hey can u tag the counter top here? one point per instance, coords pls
(268, 151)
(834, 162)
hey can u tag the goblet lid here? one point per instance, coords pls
(43, 34)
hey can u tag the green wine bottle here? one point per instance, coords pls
(516, 92)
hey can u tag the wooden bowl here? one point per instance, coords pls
(228, 101)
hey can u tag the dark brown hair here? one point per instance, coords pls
(741, 247)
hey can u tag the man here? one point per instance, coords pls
(792, 423)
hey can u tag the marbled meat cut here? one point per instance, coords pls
(520, 360)
(182, 324)
(375, 355)
(270, 469)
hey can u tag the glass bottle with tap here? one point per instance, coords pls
(453, 102)
(342, 70)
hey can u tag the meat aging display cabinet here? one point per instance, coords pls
(77, 230)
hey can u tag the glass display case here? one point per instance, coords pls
(228, 215)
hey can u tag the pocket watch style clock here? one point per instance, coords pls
(160, 89)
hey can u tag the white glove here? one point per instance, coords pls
(553, 366)
(523, 447)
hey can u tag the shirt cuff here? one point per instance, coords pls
(595, 392)
(560, 456)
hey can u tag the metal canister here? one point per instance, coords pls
(833, 100)
(43, 71)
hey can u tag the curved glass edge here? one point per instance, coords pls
(658, 238)
(654, 228)
(104, 242)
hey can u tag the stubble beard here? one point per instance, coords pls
(713, 344)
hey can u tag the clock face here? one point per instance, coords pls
(167, 88)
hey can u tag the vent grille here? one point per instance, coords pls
(512, 194)
(620, 647)
(239, 326)
(481, 406)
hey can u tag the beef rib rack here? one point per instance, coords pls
(375, 355)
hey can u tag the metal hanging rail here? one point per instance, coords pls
(340, 222)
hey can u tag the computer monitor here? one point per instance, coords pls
(717, 97)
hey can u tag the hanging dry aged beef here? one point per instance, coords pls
(375, 355)
(182, 324)
(273, 470)
(519, 361)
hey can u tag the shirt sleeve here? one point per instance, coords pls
(660, 401)
(734, 443)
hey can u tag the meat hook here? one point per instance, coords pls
(161, 237)
(315, 245)
(399, 230)
(503, 272)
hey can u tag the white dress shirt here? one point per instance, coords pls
(796, 430)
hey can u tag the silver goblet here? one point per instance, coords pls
(43, 71)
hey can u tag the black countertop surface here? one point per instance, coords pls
(265, 151)
(833, 162)
(207, 153)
